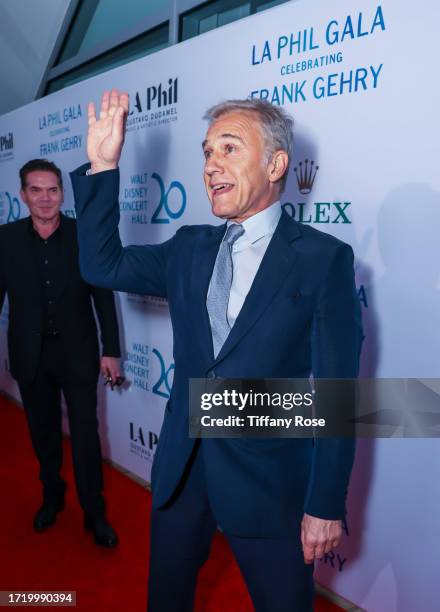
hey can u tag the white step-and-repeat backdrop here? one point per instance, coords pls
(361, 80)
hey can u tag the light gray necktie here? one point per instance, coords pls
(221, 281)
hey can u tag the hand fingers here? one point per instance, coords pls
(114, 102)
(105, 102)
(118, 125)
(91, 113)
(111, 101)
(335, 542)
(114, 373)
(329, 545)
(312, 547)
(124, 102)
(308, 549)
(309, 554)
(319, 551)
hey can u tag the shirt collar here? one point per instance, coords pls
(261, 224)
(34, 232)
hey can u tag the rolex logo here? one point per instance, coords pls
(305, 175)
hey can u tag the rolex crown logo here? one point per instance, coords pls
(305, 175)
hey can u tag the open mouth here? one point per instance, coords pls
(221, 188)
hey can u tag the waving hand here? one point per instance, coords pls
(106, 134)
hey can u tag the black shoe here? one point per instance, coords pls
(47, 515)
(104, 533)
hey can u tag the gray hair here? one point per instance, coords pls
(275, 122)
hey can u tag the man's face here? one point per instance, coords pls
(236, 175)
(43, 195)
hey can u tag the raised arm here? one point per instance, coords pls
(104, 262)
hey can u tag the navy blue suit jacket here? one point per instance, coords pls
(301, 314)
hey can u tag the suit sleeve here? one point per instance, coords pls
(104, 262)
(336, 344)
(104, 302)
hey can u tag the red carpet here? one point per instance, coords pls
(65, 557)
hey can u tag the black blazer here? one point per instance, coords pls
(20, 280)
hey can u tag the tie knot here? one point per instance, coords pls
(234, 231)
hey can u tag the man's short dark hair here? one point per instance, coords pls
(40, 164)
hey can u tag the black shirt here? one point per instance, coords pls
(50, 267)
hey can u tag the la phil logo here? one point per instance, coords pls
(157, 96)
(146, 440)
(7, 142)
(318, 212)
(6, 146)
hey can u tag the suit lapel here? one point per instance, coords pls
(205, 253)
(275, 266)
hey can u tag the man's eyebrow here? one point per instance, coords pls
(226, 135)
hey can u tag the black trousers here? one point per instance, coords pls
(276, 576)
(42, 404)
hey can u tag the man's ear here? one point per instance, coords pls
(278, 165)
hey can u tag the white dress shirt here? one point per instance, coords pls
(247, 254)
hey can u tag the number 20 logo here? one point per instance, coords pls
(14, 208)
(162, 386)
(163, 212)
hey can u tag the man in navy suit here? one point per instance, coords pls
(260, 296)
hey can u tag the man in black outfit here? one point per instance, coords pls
(53, 345)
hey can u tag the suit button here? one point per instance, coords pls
(211, 374)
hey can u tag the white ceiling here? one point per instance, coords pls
(28, 31)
